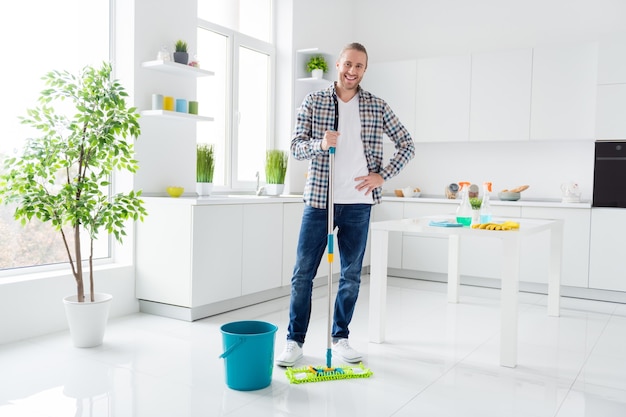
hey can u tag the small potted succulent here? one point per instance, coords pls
(205, 165)
(181, 53)
(317, 66)
(275, 171)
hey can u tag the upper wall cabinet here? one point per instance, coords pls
(612, 62)
(611, 99)
(443, 99)
(399, 96)
(500, 96)
(564, 92)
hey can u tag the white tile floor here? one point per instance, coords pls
(439, 359)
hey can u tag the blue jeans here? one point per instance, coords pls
(352, 224)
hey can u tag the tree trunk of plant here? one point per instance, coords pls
(80, 289)
(91, 289)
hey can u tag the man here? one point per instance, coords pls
(351, 120)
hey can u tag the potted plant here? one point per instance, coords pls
(275, 171)
(63, 177)
(317, 66)
(181, 54)
(205, 165)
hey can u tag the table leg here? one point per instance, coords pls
(509, 303)
(378, 285)
(554, 279)
(454, 280)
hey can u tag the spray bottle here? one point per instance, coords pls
(464, 211)
(485, 206)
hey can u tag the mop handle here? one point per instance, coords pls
(331, 212)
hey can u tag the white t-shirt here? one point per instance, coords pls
(350, 159)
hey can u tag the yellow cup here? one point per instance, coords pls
(168, 103)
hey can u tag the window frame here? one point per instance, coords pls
(113, 248)
(235, 40)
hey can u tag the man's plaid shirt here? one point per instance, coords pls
(317, 115)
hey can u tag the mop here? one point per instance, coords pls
(328, 373)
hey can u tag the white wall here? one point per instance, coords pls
(34, 306)
(163, 148)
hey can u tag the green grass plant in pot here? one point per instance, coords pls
(181, 53)
(317, 66)
(63, 176)
(205, 165)
(275, 171)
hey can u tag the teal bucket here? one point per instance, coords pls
(248, 354)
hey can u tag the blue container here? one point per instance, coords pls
(248, 354)
(181, 105)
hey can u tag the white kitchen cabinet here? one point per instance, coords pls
(261, 247)
(391, 210)
(608, 240)
(564, 92)
(216, 253)
(190, 256)
(399, 96)
(611, 112)
(536, 249)
(611, 94)
(443, 99)
(612, 62)
(500, 95)
(426, 253)
(292, 218)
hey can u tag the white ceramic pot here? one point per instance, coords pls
(317, 74)
(204, 189)
(88, 320)
(274, 189)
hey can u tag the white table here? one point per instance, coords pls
(510, 270)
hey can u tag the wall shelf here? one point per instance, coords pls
(175, 115)
(176, 68)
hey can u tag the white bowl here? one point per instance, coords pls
(509, 196)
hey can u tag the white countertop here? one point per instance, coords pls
(297, 198)
(194, 200)
(494, 202)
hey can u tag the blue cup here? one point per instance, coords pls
(181, 105)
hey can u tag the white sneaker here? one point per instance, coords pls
(290, 355)
(343, 349)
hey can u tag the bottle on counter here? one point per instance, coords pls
(485, 206)
(464, 211)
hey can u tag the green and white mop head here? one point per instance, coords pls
(321, 373)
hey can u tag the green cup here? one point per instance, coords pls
(193, 107)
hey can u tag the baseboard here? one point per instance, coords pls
(531, 287)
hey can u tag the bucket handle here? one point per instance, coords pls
(233, 347)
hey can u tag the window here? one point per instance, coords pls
(60, 48)
(235, 44)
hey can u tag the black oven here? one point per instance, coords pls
(609, 174)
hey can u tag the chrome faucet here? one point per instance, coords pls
(259, 189)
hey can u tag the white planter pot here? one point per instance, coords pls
(204, 189)
(274, 189)
(317, 74)
(87, 321)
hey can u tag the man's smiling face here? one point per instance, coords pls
(351, 68)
